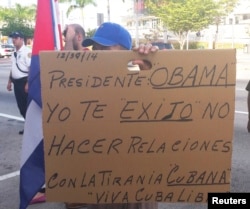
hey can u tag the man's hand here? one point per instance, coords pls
(9, 86)
(144, 49)
(26, 87)
(69, 34)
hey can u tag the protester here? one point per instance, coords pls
(73, 36)
(21, 59)
(248, 105)
(112, 36)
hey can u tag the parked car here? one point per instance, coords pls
(163, 45)
(6, 50)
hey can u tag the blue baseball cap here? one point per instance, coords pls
(110, 34)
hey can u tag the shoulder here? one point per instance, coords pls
(27, 51)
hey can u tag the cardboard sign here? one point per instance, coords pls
(112, 135)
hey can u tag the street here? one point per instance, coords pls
(11, 123)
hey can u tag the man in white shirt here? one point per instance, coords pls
(21, 59)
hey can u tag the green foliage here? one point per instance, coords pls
(197, 45)
(90, 33)
(225, 7)
(78, 4)
(27, 30)
(18, 19)
(182, 16)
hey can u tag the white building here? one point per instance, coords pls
(235, 28)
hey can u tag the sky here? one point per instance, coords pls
(118, 10)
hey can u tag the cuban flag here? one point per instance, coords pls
(47, 36)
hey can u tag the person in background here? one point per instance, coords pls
(21, 59)
(248, 105)
(112, 36)
(73, 36)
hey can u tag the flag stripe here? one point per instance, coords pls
(31, 139)
(46, 37)
(55, 24)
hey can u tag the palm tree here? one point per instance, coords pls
(18, 18)
(25, 14)
(78, 4)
